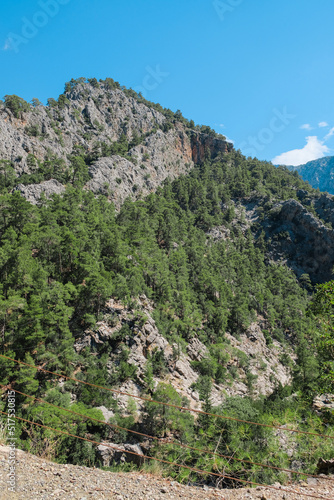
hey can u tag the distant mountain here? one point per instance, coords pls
(319, 173)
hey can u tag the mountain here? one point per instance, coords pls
(143, 257)
(319, 173)
(129, 145)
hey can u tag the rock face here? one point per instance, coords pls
(161, 155)
(34, 192)
(143, 339)
(324, 403)
(121, 453)
(206, 145)
(302, 239)
(324, 207)
(265, 363)
(298, 233)
(90, 119)
(90, 115)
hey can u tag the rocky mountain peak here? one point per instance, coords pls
(89, 118)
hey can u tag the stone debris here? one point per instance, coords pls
(40, 479)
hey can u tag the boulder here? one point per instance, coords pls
(112, 452)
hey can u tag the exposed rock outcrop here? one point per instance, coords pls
(143, 340)
(34, 192)
(90, 119)
(294, 233)
(89, 115)
(204, 146)
(301, 239)
(324, 403)
(161, 155)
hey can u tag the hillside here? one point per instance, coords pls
(142, 254)
(319, 173)
(127, 146)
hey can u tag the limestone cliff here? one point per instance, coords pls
(89, 118)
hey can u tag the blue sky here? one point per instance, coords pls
(258, 71)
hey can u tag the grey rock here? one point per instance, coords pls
(294, 236)
(161, 156)
(196, 349)
(309, 249)
(107, 414)
(319, 173)
(121, 453)
(33, 192)
(323, 403)
(97, 116)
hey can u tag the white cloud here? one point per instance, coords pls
(306, 126)
(323, 124)
(313, 149)
(229, 140)
(330, 133)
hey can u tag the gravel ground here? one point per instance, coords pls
(38, 479)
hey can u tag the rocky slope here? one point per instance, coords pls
(143, 338)
(296, 233)
(319, 173)
(89, 118)
(42, 479)
(249, 354)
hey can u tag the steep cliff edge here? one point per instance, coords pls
(300, 239)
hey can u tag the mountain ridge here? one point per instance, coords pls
(319, 173)
(91, 117)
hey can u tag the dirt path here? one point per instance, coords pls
(38, 479)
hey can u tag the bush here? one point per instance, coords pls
(32, 130)
(16, 105)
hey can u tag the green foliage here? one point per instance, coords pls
(60, 447)
(62, 260)
(52, 103)
(36, 102)
(323, 307)
(16, 104)
(7, 176)
(32, 130)
(62, 101)
(163, 419)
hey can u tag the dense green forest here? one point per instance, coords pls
(62, 259)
